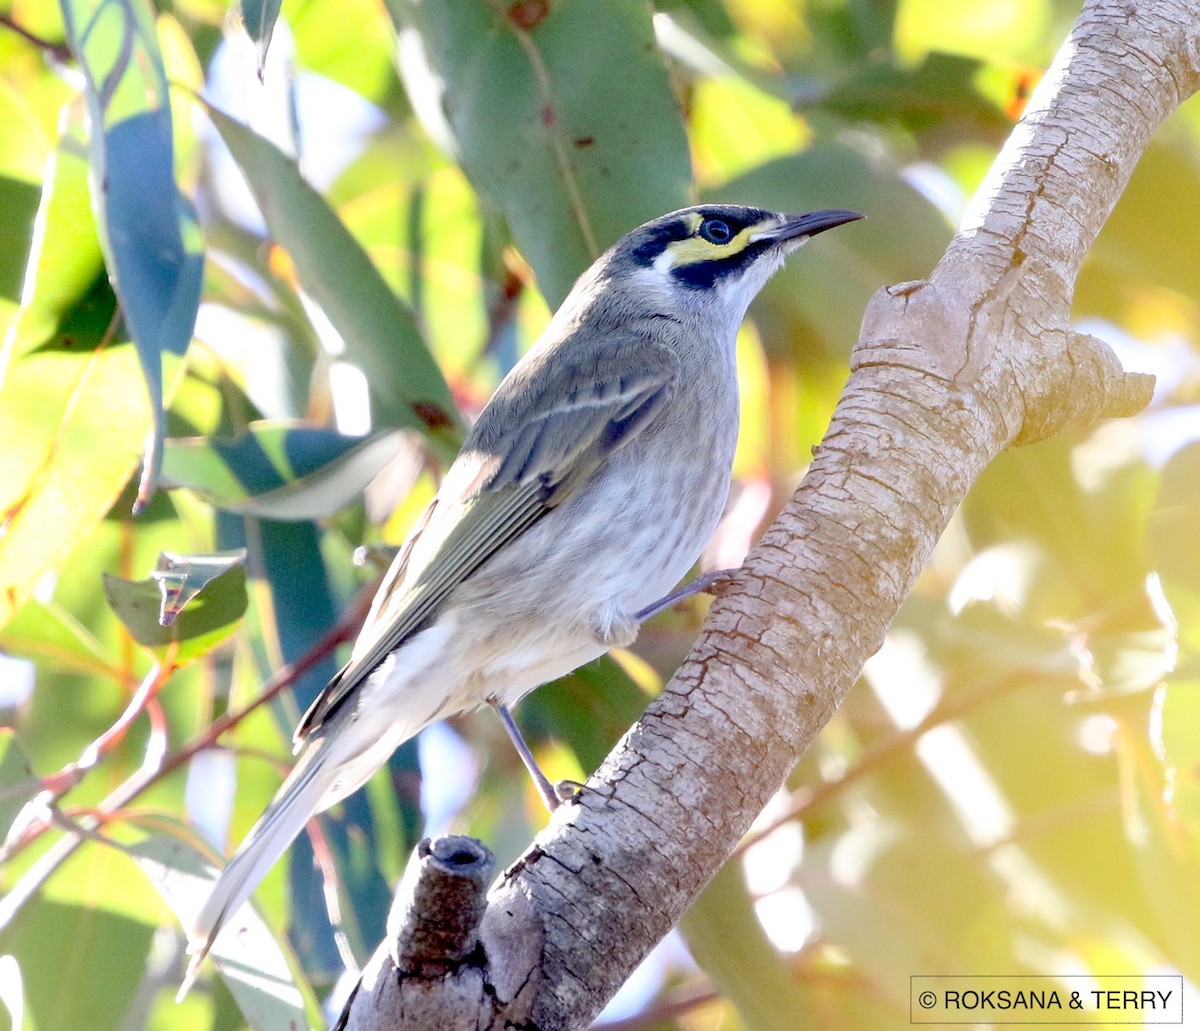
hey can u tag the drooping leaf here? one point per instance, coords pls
(247, 955)
(81, 965)
(279, 470)
(17, 783)
(380, 334)
(181, 577)
(148, 231)
(575, 144)
(259, 17)
(73, 414)
(47, 633)
(208, 619)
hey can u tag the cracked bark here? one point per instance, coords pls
(947, 373)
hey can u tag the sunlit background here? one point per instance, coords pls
(1012, 788)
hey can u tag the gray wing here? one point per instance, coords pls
(551, 425)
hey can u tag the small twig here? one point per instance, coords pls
(807, 799)
(129, 789)
(37, 815)
(56, 51)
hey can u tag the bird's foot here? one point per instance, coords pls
(716, 583)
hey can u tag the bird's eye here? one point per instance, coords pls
(716, 230)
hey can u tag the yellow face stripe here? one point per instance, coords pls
(696, 249)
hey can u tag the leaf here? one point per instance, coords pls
(18, 204)
(47, 633)
(729, 944)
(149, 233)
(937, 96)
(1171, 538)
(352, 838)
(279, 470)
(575, 144)
(210, 617)
(380, 333)
(1162, 810)
(73, 414)
(259, 17)
(181, 577)
(17, 782)
(81, 965)
(247, 955)
(291, 560)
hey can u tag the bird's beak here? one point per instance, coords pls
(801, 227)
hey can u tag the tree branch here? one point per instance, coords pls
(432, 936)
(947, 373)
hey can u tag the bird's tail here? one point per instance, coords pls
(299, 798)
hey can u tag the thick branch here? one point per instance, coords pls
(947, 373)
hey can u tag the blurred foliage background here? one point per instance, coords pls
(385, 220)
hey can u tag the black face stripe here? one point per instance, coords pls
(655, 238)
(656, 241)
(702, 275)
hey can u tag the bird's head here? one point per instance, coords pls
(711, 255)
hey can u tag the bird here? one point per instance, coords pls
(585, 491)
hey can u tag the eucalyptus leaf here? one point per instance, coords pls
(81, 965)
(17, 782)
(247, 955)
(148, 231)
(279, 470)
(73, 415)
(46, 632)
(210, 616)
(181, 577)
(259, 17)
(380, 333)
(561, 114)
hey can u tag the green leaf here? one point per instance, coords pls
(181, 577)
(149, 233)
(936, 96)
(576, 143)
(290, 558)
(279, 470)
(207, 620)
(73, 414)
(1171, 537)
(380, 333)
(247, 955)
(17, 782)
(259, 17)
(47, 633)
(81, 966)
(729, 943)
(18, 205)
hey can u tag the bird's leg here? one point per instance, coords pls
(700, 585)
(552, 794)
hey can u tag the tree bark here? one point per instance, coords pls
(947, 372)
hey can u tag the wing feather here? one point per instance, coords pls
(551, 425)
